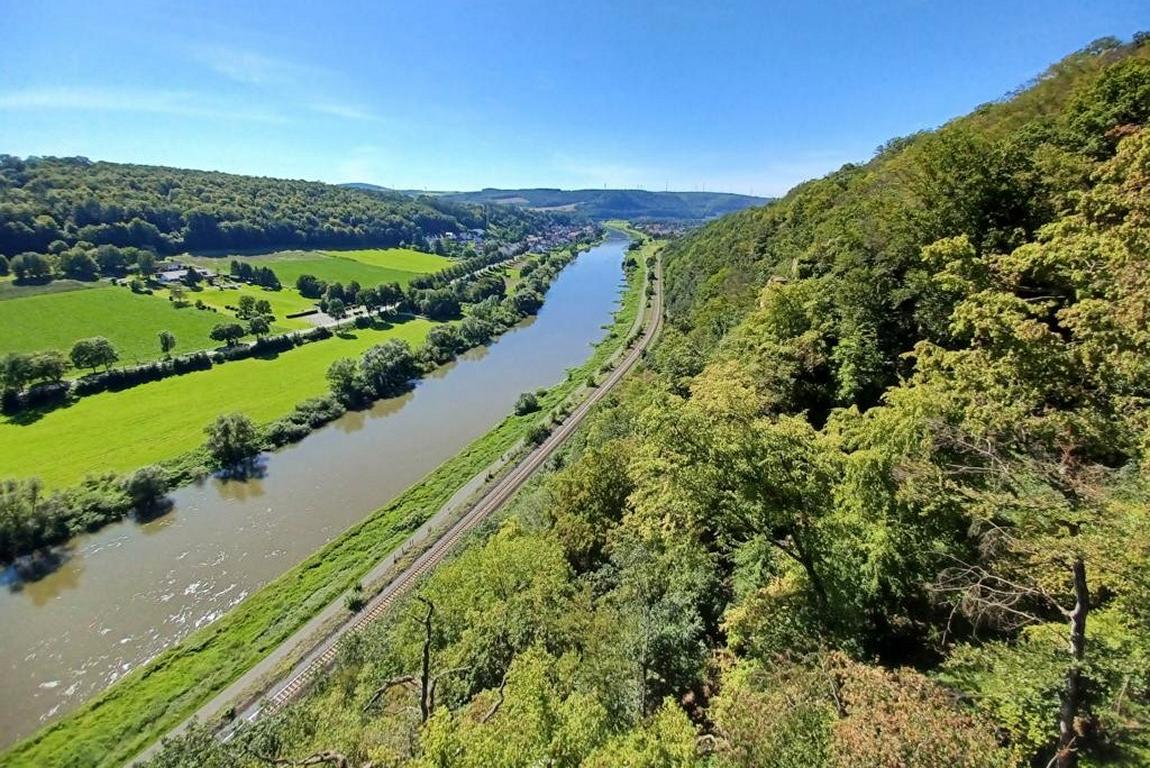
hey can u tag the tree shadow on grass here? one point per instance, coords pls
(403, 317)
(267, 354)
(27, 416)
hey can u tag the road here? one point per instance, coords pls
(271, 698)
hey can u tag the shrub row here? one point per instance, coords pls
(308, 415)
(118, 379)
(31, 519)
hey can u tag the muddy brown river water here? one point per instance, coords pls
(118, 597)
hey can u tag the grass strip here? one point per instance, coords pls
(119, 722)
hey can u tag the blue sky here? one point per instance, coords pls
(736, 96)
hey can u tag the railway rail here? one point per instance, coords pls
(308, 669)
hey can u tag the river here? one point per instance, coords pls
(123, 594)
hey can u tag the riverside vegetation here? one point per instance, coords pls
(878, 499)
(117, 723)
(31, 519)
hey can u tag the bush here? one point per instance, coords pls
(97, 501)
(232, 438)
(29, 518)
(318, 411)
(10, 401)
(45, 395)
(281, 343)
(146, 486)
(537, 434)
(355, 599)
(285, 431)
(308, 415)
(527, 403)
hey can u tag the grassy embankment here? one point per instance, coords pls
(161, 420)
(119, 722)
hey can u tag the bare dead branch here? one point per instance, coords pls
(387, 686)
(498, 702)
(337, 759)
(983, 596)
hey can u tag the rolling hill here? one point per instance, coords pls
(617, 203)
(599, 204)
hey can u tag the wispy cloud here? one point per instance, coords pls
(345, 110)
(252, 68)
(150, 101)
(774, 177)
(763, 173)
(309, 87)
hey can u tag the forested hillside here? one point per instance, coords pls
(602, 204)
(52, 204)
(878, 500)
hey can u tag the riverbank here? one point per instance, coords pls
(160, 425)
(163, 421)
(116, 723)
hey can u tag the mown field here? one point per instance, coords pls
(119, 722)
(403, 259)
(165, 419)
(55, 320)
(368, 267)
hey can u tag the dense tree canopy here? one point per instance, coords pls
(49, 202)
(879, 498)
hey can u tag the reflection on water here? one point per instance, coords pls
(353, 422)
(161, 522)
(477, 353)
(118, 597)
(30, 574)
(389, 406)
(233, 489)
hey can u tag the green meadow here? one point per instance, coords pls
(118, 722)
(55, 320)
(165, 419)
(403, 259)
(283, 302)
(368, 267)
(10, 290)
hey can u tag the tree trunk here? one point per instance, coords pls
(425, 672)
(807, 561)
(1067, 756)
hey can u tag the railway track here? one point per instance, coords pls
(323, 656)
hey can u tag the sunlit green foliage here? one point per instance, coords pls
(879, 499)
(73, 201)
